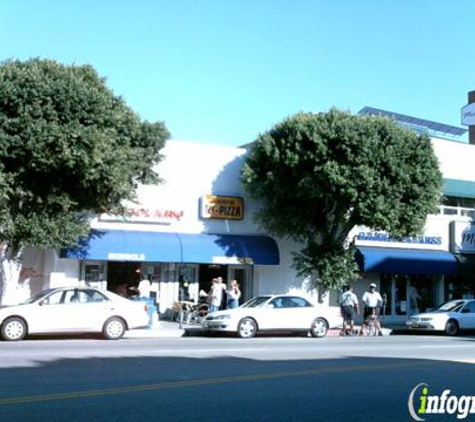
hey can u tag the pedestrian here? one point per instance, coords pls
(234, 294)
(372, 301)
(144, 288)
(349, 309)
(216, 294)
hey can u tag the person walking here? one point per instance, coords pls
(234, 294)
(349, 309)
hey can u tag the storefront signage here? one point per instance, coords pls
(144, 215)
(462, 237)
(384, 239)
(468, 115)
(222, 207)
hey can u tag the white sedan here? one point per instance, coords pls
(72, 310)
(450, 317)
(278, 313)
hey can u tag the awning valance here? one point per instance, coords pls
(405, 261)
(125, 245)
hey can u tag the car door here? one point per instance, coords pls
(273, 315)
(300, 314)
(467, 316)
(53, 314)
(284, 313)
(90, 310)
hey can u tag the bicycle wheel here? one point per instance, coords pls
(372, 330)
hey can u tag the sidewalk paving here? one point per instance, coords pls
(171, 329)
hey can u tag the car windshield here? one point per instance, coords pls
(256, 302)
(38, 296)
(452, 306)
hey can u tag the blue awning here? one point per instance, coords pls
(125, 245)
(405, 261)
(229, 249)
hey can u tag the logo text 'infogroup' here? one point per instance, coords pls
(421, 403)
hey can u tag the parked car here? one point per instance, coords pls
(72, 310)
(450, 317)
(274, 313)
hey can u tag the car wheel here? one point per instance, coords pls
(13, 329)
(114, 329)
(247, 328)
(452, 327)
(319, 328)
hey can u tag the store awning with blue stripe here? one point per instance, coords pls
(405, 261)
(125, 245)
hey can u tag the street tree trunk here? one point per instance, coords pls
(10, 269)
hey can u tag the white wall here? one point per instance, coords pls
(455, 158)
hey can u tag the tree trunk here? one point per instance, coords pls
(11, 291)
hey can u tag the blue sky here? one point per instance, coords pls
(222, 71)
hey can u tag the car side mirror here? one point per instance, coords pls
(270, 306)
(466, 311)
(41, 302)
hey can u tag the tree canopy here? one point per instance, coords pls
(68, 146)
(317, 176)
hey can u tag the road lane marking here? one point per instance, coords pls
(203, 382)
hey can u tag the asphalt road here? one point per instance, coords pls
(228, 379)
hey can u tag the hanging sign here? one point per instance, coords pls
(222, 207)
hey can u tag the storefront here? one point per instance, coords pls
(178, 265)
(181, 234)
(409, 272)
(462, 244)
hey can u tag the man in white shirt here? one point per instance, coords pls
(372, 303)
(349, 308)
(217, 291)
(144, 288)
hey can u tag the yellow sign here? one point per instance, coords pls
(222, 207)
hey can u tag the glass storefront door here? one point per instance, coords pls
(422, 294)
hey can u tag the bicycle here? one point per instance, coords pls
(371, 325)
(193, 313)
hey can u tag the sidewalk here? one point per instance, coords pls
(171, 329)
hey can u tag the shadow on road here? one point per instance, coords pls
(221, 388)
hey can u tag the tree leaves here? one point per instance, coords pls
(67, 145)
(319, 175)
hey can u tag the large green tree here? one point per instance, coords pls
(68, 146)
(317, 176)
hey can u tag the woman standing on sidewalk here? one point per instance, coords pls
(234, 294)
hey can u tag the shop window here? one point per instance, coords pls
(459, 288)
(385, 289)
(400, 294)
(422, 295)
(94, 272)
(186, 277)
(334, 297)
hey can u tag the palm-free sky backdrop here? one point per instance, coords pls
(221, 71)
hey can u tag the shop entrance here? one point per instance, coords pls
(208, 272)
(408, 294)
(122, 273)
